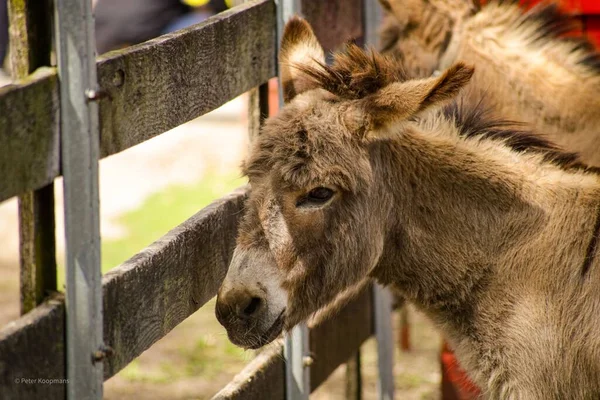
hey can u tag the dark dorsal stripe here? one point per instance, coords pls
(590, 254)
(477, 121)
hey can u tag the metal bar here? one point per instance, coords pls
(285, 9)
(297, 373)
(385, 342)
(296, 347)
(373, 15)
(80, 150)
(383, 299)
(30, 44)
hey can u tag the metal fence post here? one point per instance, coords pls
(80, 151)
(296, 348)
(383, 299)
(385, 342)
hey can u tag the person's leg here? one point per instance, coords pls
(121, 23)
(192, 18)
(208, 9)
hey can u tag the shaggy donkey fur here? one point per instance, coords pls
(524, 61)
(366, 174)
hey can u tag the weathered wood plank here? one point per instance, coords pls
(30, 29)
(262, 378)
(144, 299)
(258, 110)
(335, 340)
(170, 80)
(150, 88)
(353, 378)
(37, 247)
(335, 22)
(32, 349)
(332, 341)
(29, 143)
(150, 294)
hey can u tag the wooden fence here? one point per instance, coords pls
(143, 91)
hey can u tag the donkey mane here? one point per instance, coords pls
(545, 24)
(356, 73)
(477, 121)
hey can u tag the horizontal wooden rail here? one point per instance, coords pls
(32, 348)
(332, 342)
(165, 82)
(146, 90)
(144, 299)
(152, 87)
(29, 142)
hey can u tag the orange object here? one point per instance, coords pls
(456, 385)
(273, 97)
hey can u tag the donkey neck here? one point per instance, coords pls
(458, 208)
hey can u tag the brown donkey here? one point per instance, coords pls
(522, 60)
(489, 230)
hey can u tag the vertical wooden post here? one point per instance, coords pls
(354, 378)
(258, 109)
(404, 331)
(30, 35)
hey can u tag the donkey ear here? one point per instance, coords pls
(385, 4)
(402, 100)
(299, 46)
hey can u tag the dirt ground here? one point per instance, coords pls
(187, 363)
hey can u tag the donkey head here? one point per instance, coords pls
(316, 217)
(418, 32)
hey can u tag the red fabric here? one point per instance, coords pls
(587, 10)
(465, 389)
(582, 6)
(592, 27)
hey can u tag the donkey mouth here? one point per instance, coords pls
(271, 334)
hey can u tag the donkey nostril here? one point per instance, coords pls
(251, 307)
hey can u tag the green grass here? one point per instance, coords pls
(158, 214)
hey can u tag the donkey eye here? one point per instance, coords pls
(317, 196)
